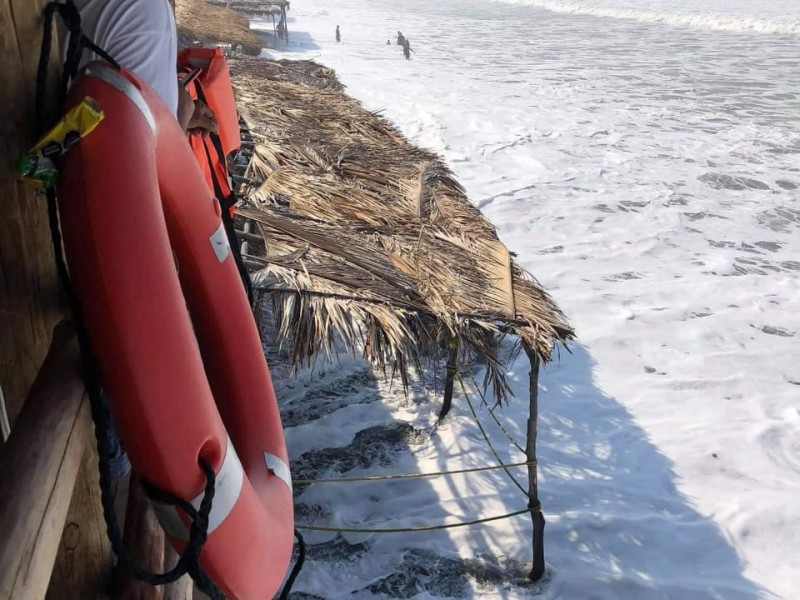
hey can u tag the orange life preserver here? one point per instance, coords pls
(213, 86)
(178, 351)
(216, 82)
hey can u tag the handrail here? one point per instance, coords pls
(38, 468)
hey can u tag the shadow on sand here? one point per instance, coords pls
(618, 528)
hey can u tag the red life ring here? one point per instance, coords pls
(169, 344)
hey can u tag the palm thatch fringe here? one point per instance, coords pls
(200, 21)
(254, 7)
(372, 239)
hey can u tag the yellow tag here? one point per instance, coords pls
(38, 163)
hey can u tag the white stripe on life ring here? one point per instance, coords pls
(228, 486)
(113, 78)
(279, 468)
(220, 244)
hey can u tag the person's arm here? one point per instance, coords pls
(185, 108)
(194, 116)
(203, 121)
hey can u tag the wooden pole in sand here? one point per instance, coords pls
(449, 382)
(537, 570)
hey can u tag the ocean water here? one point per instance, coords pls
(643, 161)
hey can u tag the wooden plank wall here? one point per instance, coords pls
(30, 298)
(29, 291)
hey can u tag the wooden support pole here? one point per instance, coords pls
(181, 589)
(451, 370)
(537, 570)
(144, 539)
(84, 563)
(38, 469)
(253, 265)
(247, 237)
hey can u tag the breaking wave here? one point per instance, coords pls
(697, 20)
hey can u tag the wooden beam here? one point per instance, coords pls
(538, 568)
(29, 288)
(38, 469)
(247, 236)
(144, 539)
(181, 589)
(85, 560)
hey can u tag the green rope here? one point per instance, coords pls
(496, 420)
(535, 508)
(486, 436)
(412, 475)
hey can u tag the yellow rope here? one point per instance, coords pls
(536, 508)
(486, 436)
(411, 475)
(496, 420)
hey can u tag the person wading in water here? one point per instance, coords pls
(407, 49)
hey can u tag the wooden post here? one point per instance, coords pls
(85, 560)
(38, 469)
(246, 237)
(181, 589)
(198, 595)
(144, 540)
(449, 382)
(537, 570)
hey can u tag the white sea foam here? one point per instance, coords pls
(681, 14)
(648, 175)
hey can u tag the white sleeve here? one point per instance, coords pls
(141, 36)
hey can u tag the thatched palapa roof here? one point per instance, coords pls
(372, 239)
(210, 25)
(255, 7)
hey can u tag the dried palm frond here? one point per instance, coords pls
(198, 20)
(371, 239)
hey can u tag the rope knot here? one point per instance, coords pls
(71, 18)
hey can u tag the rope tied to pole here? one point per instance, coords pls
(486, 436)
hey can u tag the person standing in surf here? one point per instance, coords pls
(338, 35)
